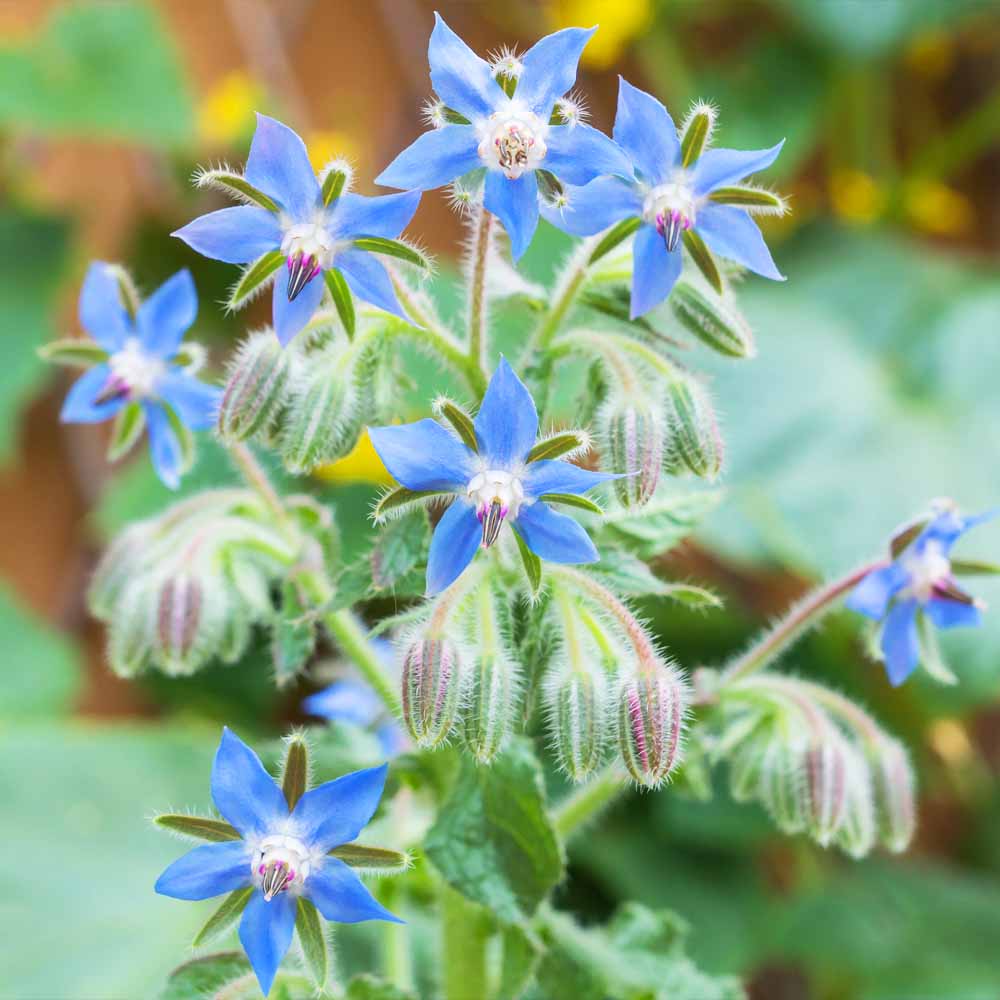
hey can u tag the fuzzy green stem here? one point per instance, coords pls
(802, 617)
(394, 942)
(465, 932)
(253, 472)
(584, 804)
(477, 299)
(351, 638)
(566, 294)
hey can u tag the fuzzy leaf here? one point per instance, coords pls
(532, 564)
(572, 500)
(129, 423)
(461, 421)
(391, 248)
(521, 951)
(225, 916)
(398, 549)
(702, 256)
(313, 941)
(295, 773)
(616, 234)
(369, 987)
(253, 277)
(236, 185)
(336, 285)
(556, 445)
(198, 827)
(294, 637)
(661, 524)
(74, 352)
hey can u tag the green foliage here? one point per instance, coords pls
(367, 987)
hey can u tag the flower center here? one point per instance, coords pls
(929, 570)
(134, 373)
(279, 863)
(514, 142)
(496, 494)
(671, 209)
(308, 248)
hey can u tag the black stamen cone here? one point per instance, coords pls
(672, 232)
(300, 270)
(492, 522)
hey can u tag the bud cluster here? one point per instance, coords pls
(633, 433)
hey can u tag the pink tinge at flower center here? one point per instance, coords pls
(309, 248)
(497, 494)
(514, 142)
(134, 373)
(671, 209)
(279, 864)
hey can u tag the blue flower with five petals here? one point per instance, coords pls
(282, 853)
(668, 199)
(511, 136)
(494, 483)
(312, 235)
(918, 582)
(141, 364)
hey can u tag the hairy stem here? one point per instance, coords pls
(584, 804)
(394, 942)
(466, 931)
(566, 293)
(477, 298)
(255, 476)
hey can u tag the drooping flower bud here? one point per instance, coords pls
(826, 772)
(432, 690)
(894, 788)
(694, 438)
(493, 706)
(191, 615)
(783, 786)
(857, 831)
(578, 707)
(255, 389)
(634, 434)
(651, 710)
(712, 318)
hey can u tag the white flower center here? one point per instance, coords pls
(279, 864)
(927, 569)
(496, 494)
(309, 239)
(134, 372)
(670, 208)
(513, 141)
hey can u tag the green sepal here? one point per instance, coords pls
(906, 535)
(129, 423)
(391, 248)
(508, 84)
(974, 567)
(333, 186)
(198, 827)
(399, 498)
(694, 138)
(748, 197)
(702, 256)
(336, 285)
(253, 277)
(532, 564)
(453, 117)
(126, 289)
(572, 500)
(295, 772)
(73, 352)
(615, 235)
(373, 859)
(185, 438)
(556, 445)
(225, 916)
(236, 185)
(549, 185)
(461, 421)
(313, 941)
(931, 657)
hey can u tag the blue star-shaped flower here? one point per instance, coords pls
(511, 136)
(313, 237)
(139, 366)
(918, 581)
(492, 485)
(283, 854)
(668, 198)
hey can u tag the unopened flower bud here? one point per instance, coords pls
(783, 785)
(255, 389)
(714, 320)
(432, 690)
(634, 434)
(578, 707)
(857, 830)
(492, 708)
(825, 765)
(131, 632)
(651, 711)
(894, 789)
(694, 438)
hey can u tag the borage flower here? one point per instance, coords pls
(674, 197)
(310, 225)
(495, 480)
(512, 129)
(283, 854)
(918, 587)
(140, 366)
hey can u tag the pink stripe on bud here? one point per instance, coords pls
(651, 724)
(431, 690)
(178, 616)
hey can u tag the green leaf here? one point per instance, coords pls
(520, 955)
(313, 941)
(373, 859)
(197, 827)
(205, 977)
(369, 987)
(702, 256)
(492, 839)
(572, 500)
(293, 638)
(74, 352)
(748, 197)
(225, 916)
(556, 445)
(659, 526)
(336, 285)
(532, 564)
(127, 428)
(253, 277)
(391, 248)
(617, 234)
(240, 188)
(333, 185)
(399, 547)
(97, 70)
(461, 421)
(295, 772)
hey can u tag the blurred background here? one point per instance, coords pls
(874, 391)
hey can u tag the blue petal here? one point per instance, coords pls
(515, 203)
(550, 69)
(335, 812)
(369, 280)
(206, 871)
(655, 270)
(233, 235)
(279, 165)
(945, 613)
(423, 456)
(79, 406)
(345, 701)
(554, 537)
(645, 130)
(387, 215)
(948, 526)
(102, 313)
(548, 476)
(459, 77)
(167, 314)
(435, 158)
(872, 595)
(245, 794)
(507, 421)
(290, 317)
(194, 401)
(900, 643)
(595, 206)
(342, 897)
(266, 934)
(577, 154)
(456, 539)
(730, 232)
(164, 447)
(719, 167)
(391, 739)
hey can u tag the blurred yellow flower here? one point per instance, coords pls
(937, 209)
(931, 54)
(362, 465)
(855, 195)
(950, 741)
(621, 22)
(325, 145)
(226, 113)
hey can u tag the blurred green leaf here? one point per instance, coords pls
(97, 69)
(365, 987)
